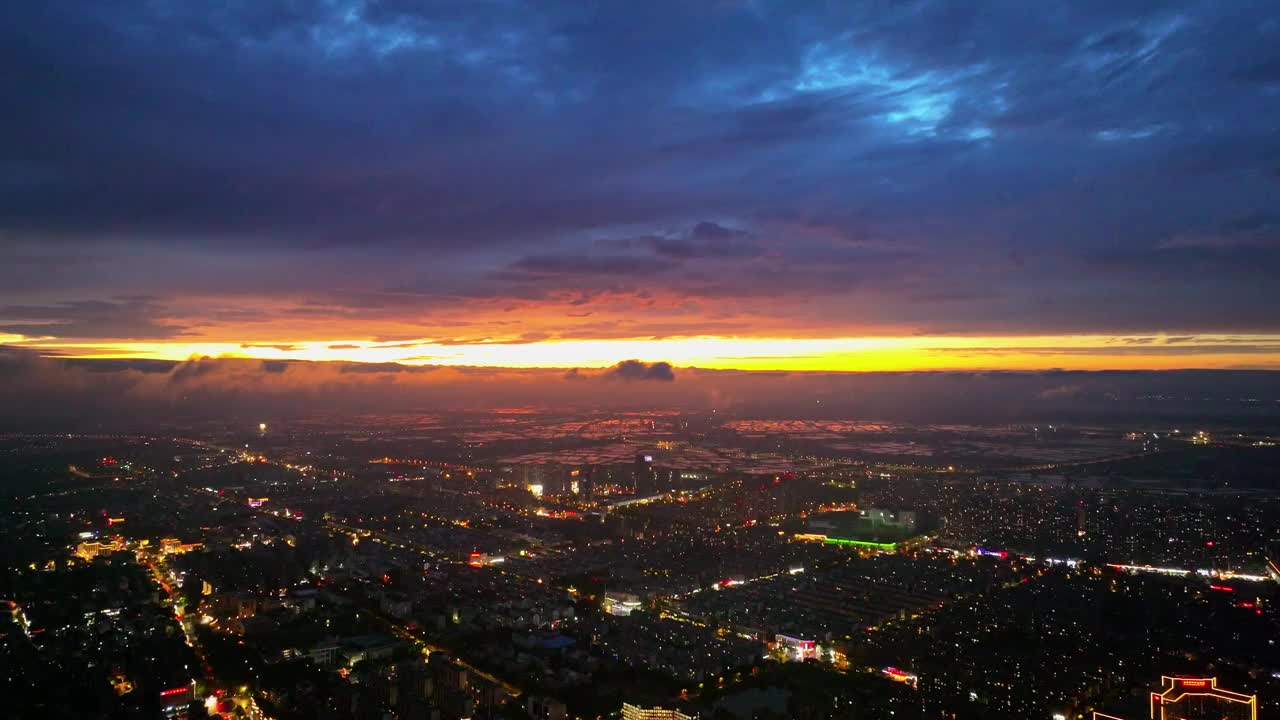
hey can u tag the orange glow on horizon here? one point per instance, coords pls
(910, 353)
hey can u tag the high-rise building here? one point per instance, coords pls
(587, 484)
(1196, 698)
(643, 478)
(547, 478)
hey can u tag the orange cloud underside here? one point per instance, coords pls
(1082, 352)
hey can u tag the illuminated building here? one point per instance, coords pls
(91, 550)
(796, 649)
(477, 559)
(1196, 698)
(175, 701)
(257, 502)
(635, 712)
(174, 546)
(1200, 699)
(551, 479)
(901, 676)
(621, 604)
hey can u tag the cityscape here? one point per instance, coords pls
(690, 567)
(662, 360)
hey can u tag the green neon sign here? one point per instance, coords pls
(861, 543)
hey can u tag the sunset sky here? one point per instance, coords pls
(717, 184)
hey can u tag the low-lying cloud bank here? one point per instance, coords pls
(627, 370)
(41, 392)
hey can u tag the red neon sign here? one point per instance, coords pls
(173, 691)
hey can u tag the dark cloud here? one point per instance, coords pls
(624, 265)
(420, 155)
(640, 370)
(711, 232)
(626, 370)
(117, 365)
(382, 368)
(132, 318)
(283, 347)
(706, 240)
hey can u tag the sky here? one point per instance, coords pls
(54, 394)
(798, 186)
